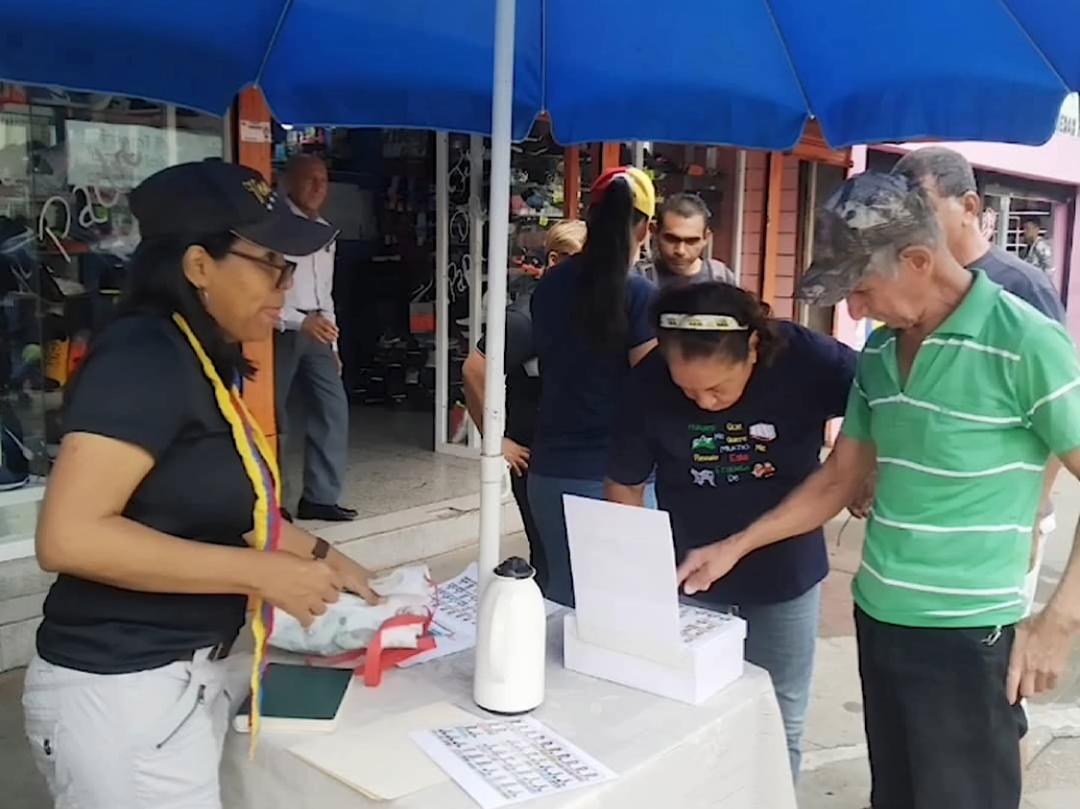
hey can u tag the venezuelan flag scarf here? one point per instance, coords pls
(261, 469)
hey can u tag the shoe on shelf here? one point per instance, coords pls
(325, 513)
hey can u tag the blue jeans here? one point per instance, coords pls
(780, 638)
(545, 500)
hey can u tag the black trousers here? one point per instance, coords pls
(940, 730)
(520, 486)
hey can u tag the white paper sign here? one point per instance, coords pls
(508, 761)
(255, 131)
(625, 590)
(111, 157)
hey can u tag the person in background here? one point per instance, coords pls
(564, 239)
(161, 496)
(306, 359)
(731, 412)
(959, 399)
(591, 324)
(949, 181)
(680, 238)
(1036, 251)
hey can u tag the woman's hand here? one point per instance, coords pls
(300, 587)
(516, 455)
(355, 578)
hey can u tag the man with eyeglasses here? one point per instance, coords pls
(306, 360)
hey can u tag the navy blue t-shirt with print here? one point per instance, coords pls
(718, 472)
(581, 385)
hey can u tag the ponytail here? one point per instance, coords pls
(600, 308)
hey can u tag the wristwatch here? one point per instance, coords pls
(321, 549)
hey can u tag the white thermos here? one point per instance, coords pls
(511, 641)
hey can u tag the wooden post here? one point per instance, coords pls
(611, 156)
(571, 182)
(771, 259)
(254, 151)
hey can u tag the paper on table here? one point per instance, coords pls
(507, 761)
(625, 589)
(454, 622)
(380, 760)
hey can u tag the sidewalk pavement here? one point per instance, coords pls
(835, 772)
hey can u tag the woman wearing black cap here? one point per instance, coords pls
(731, 413)
(161, 515)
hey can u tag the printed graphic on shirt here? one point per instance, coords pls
(730, 453)
(763, 432)
(763, 471)
(704, 477)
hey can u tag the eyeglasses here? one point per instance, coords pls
(282, 273)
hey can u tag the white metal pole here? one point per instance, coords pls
(476, 251)
(491, 460)
(172, 147)
(740, 214)
(442, 293)
(639, 154)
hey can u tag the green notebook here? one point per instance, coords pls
(299, 698)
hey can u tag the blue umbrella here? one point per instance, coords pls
(741, 72)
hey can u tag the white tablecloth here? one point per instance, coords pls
(728, 753)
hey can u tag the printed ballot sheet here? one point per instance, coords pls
(696, 623)
(454, 622)
(507, 761)
(625, 588)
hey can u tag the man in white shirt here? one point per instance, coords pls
(306, 356)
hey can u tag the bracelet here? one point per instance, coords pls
(321, 549)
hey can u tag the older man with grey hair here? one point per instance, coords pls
(959, 400)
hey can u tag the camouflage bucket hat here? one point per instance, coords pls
(867, 213)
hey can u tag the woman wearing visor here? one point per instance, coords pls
(731, 411)
(161, 515)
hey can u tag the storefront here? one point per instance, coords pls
(67, 163)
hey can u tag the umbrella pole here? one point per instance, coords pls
(492, 465)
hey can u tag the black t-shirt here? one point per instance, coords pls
(141, 384)
(718, 472)
(1023, 280)
(582, 384)
(522, 373)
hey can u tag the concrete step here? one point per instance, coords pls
(437, 530)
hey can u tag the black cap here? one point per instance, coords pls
(218, 197)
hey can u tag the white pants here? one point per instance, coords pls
(146, 740)
(1031, 582)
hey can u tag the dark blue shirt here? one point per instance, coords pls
(718, 472)
(581, 385)
(1023, 280)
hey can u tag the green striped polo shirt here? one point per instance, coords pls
(961, 450)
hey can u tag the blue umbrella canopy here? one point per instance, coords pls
(741, 72)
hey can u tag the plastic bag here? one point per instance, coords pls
(351, 623)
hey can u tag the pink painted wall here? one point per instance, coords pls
(1057, 161)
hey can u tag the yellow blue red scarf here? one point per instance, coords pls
(261, 469)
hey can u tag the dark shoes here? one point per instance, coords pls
(325, 513)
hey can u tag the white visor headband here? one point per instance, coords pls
(701, 323)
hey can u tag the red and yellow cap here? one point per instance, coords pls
(640, 183)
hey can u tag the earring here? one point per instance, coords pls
(204, 296)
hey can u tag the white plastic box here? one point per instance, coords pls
(704, 665)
